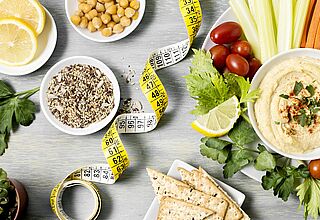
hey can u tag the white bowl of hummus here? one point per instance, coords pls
(286, 116)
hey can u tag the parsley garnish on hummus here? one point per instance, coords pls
(301, 108)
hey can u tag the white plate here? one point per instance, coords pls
(46, 43)
(152, 212)
(72, 5)
(54, 71)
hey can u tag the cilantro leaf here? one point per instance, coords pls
(6, 115)
(24, 111)
(242, 133)
(5, 90)
(282, 180)
(3, 143)
(298, 86)
(309, 196)
(236, 161)
(284, 96)
(202, 62)
(265, 161)
(216, 149)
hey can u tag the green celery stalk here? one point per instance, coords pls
(300, 16)
(251, 6)
(266, 30)
(241, 9)
(285, 25)
(275, 5)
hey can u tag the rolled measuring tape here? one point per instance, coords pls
(112, 146)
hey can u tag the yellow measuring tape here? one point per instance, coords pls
(112, 146)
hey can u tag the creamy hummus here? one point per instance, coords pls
(288, 110)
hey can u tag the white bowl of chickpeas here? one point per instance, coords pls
(105, 20)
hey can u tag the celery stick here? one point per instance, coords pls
(285, 25)
(251, 6)
(266, 31)
(300, 16)
(275, 5)
(241, 9)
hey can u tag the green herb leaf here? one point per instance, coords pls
(5, 90)
(217, 143)
(3, 143)
(242, 133)
(284, 96)
(282, 179)
(298, 86)
(265, 161)
(236, 161)
(309, 196)
(6, 114)
(310, 89)
(215, 154)
(24, 111)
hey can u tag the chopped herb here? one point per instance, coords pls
(310, 89)
(277, 122)
(284, 96)
(298, 86)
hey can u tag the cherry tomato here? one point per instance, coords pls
(254, 65)
(241, 47)
(237, 64)
(314, 168)
(226, 33)
(219, 55)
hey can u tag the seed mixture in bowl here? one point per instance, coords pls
(80, 95)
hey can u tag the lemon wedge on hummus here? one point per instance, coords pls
(220, 120)
(31, 11)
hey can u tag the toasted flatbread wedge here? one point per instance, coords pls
(174, 209)
(202, 183)
(164, 185)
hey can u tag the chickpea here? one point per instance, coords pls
(96, 22)
(91, 28)
(124, 3)
(108, 4)
(120, 12)
(84, 22)
(135, 16)
(107, 32)
(111, 24)
(85, 7)
(92, 2)
(116, 18)
(125, 22)
(79, 13)
(106, 18)
(75, 19)
(91, 14)
(105, 1)
(103, 26)
(81, 1)
(117, 29)
(129, 12)
(135, 4)
(112, 10)
(100, 7)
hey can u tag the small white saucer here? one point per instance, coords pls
(72, 5)
(46, 43)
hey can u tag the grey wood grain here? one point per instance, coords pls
(40, 156)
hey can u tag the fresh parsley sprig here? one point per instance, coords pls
(15, 109)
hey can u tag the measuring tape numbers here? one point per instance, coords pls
(112, 146)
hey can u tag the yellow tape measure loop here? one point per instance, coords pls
(154, 91)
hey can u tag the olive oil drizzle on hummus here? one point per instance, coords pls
(301, 109)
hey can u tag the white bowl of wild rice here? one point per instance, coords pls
(79, 95)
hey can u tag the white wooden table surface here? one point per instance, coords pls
(40, 155)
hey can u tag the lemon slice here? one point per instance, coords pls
(31, 11)
(220, 120)
(18, 42)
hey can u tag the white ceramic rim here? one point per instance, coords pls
(45, 55)
(79, 60)
(92, 36)
(300, 52)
